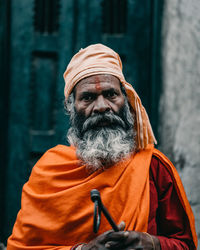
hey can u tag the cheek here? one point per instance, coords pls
(118, 104)
(88, 110)
(83, 108)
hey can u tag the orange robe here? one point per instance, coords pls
(57, 212)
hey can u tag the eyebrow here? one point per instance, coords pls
(87, 93)
(110, 90)
(103, 91)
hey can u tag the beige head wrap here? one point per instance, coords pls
(99, 59)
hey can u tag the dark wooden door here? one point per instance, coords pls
(44, 34)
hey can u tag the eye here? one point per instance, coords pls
(111, 94)
(87, 97)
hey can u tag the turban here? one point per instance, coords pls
(100, 59)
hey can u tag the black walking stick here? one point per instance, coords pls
(98, 207)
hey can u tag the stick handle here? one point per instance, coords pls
(95, 196)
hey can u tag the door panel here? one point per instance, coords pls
(44, 36)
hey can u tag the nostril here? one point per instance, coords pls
(107, 109)
(101, 105)
(95, 111)
(101, 110)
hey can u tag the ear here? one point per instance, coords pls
(123, 90)
(69, 103)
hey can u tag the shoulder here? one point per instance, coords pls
(161, 157)
(164, 173)
(167, 166)
(62, 151)
(57, 159)
(58, 154)
(160, 173)
(161, 161)
(51, 168)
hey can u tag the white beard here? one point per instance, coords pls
(102, 147)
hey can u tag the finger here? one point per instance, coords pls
(121, 226)
(113, 236)
(127, 238)
(115, 245)
(133, 238)
(111, 244)
(120, 245)
(116, 236)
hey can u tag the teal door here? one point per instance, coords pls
(43, 35)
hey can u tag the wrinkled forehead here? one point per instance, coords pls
(97, 82)
(99, 78)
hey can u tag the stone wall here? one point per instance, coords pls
(180, 99)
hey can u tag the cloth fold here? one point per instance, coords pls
(57, 212)
(56, 205)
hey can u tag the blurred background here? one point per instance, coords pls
(159, 44)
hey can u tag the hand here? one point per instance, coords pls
(100, 241)
(133, 240)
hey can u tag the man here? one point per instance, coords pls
(112, 151)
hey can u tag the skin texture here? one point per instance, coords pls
(97, 81)
(94, 95)
(98, 94)
(123, 240)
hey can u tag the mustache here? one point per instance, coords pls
(100, 119)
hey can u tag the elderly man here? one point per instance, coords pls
(112, 151)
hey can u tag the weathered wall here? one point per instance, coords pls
(180, 100)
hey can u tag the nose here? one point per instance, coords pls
(101, 105)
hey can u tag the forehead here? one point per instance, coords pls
(98, 82)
